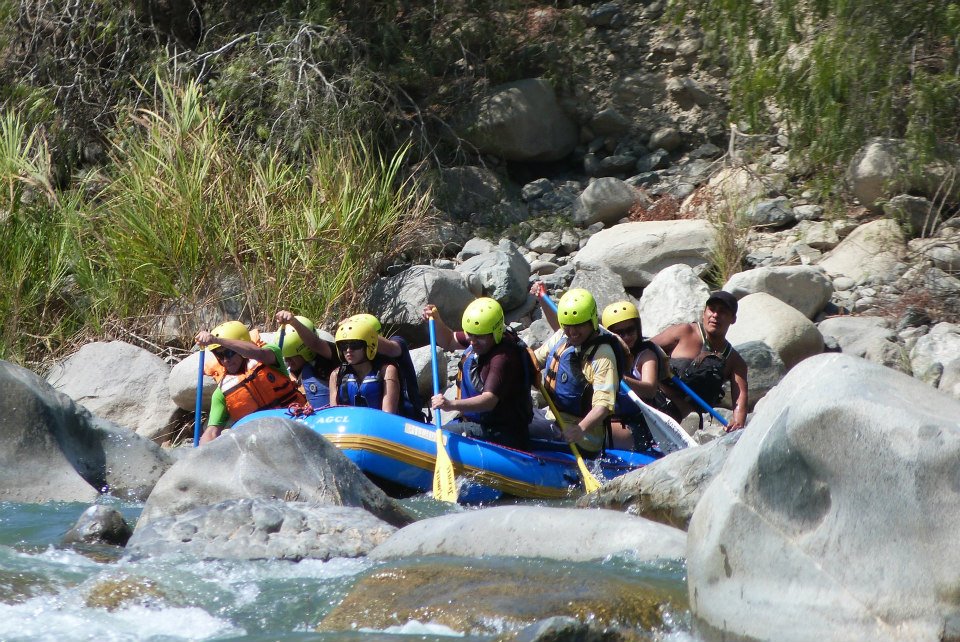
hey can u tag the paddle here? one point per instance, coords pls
(283, 330)
(590, 482)
(199, 407)
(668, 433)
(700, 402)
(444, 482)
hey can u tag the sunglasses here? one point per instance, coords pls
(352, 345)
(224, 354)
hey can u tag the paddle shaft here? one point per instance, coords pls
(435, 367)
(444, 481)
(699, 401)
(199, 407)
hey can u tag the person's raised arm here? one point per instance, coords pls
(245, 349)
(310, 339)
(445, 337)
(540, 291)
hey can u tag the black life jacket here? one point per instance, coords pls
(704, 374)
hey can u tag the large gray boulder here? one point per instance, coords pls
(675, 295)
(535, 531)
(182, 383)
(606, 200)
(398, 300)
(835, 517)
(803, 287)
(52, 449)
(765, 370)
(669, 489)
(762, 317)
(469, 190)
(268, 457)
(604, 284)
(869, 254)
(522, 121)
(870, 338)
(503, 274)
(637, 251)
(121, 383)
(261, 528)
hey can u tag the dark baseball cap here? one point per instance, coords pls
(725, 298)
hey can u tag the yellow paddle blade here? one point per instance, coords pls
(444, 482)
(590, 482)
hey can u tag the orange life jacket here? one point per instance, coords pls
(258, 388)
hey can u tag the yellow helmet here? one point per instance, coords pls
(617, 312)
(229, 330)
(368, 318)
(293, 345)
(354, 329)
(577, 306)
(484, 316)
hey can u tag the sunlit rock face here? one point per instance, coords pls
(835, 517)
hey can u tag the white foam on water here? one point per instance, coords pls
(52, 618)
(230, 572)
(415, 627)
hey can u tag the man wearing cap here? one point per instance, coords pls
(701, 357)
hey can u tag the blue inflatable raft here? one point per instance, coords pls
(398, 453)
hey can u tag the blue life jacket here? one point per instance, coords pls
(369, 392)
(563, 371)
(470, 384)
(316, 386)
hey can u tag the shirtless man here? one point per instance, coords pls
(692, 347)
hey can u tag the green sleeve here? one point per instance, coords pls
(218, 409)
(281, 364)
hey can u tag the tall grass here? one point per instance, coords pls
(185, 227)
(35, 258)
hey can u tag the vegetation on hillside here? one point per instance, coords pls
(834, 73)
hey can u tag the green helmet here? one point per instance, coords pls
(617, 312)
(577, 306)
(229, 330)
(484, 316)
(354, 329)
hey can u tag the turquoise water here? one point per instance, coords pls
(53, 593)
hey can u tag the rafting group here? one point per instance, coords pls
(598, 374)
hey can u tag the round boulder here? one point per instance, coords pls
(638, 251)
(835, 517)
(762, 317)
(267, 457)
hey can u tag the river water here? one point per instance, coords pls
(52, 593)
